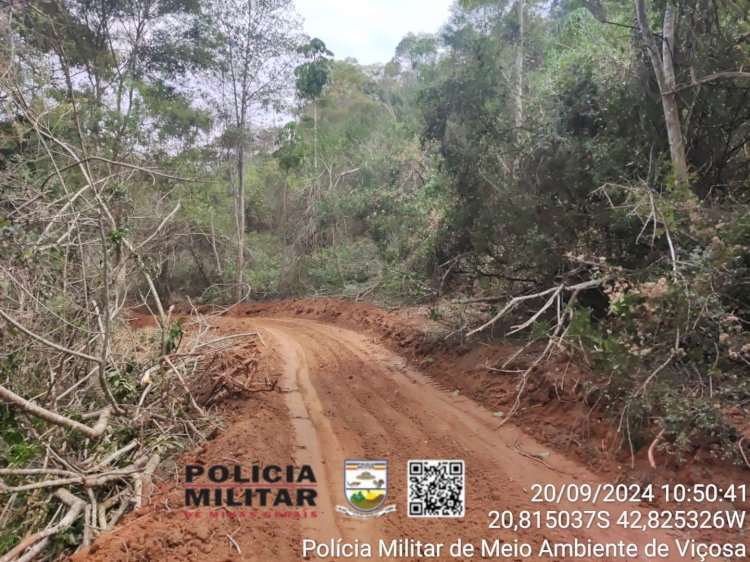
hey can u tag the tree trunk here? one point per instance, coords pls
(315, 140)
(240, 210)
(663, 65)
(669, 101)
(283, 203)
(519, 66)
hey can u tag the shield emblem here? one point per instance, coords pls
(366, 484)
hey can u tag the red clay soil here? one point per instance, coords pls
(356, 382)
(558, 408)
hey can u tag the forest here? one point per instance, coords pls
(565, 175)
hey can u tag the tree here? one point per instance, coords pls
(663, 65)
(519, 65)
(312, 78)
(257, 42)
(417, 50)
(520, 7)
(129, 59)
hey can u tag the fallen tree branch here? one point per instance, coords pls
(103, 507)
(556, 338)
(45, 341)
(143, 481)
(118, 453)
(651, 448)
(56, 419)
(515, 301)
(35, 472)
(88, 480)
(643, 386)
(233, 336)
(539, 312)
(75, 504)
(34, 551)
(742, 451)
(195, 405)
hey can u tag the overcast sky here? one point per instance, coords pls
(369, 30)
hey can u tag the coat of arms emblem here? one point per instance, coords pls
(366, 488)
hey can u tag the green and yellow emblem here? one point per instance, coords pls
(366, 484)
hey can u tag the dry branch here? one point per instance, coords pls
(117, 454)
(143, 481)
(75, 505)
(652, 447)
(742, 450)
(515, 301)
(87, 480)
(45, 341)
(62, 349)
(184, 386)
(31, 408)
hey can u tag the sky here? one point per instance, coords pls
(369, 30)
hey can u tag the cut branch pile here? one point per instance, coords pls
(89, 473)
(564, 310)
(86, 414)
(228, 368)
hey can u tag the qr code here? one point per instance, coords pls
(436, 488)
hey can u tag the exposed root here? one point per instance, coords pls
(652, 447)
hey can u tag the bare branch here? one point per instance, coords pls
(45, 341)
(124, 165)
(515, 301)
(56, 419)
(726, 75)
(75, 504)
(164, 221)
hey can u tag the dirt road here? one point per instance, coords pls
(345, 396)
(358, 400)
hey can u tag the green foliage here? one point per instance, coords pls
(291, 150)
(265, 264)
(116, 235)
(123, 387)
(15, 448)
(404, 287)
(217, 294)
(404, 180)
(348, 264)
(417, 50)
(174, 336)
(313, 75)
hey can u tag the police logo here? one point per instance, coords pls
(366, 488)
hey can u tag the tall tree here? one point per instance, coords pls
(520, 8)
(662, 62)
(312, 77)
(257, 50)
(520, 4)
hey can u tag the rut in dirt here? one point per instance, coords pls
(343, 395)
(362, 401)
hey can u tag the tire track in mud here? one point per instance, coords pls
(317, 444)
(346, 396)
(300, 397)
(383, 408)
(368, 404)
